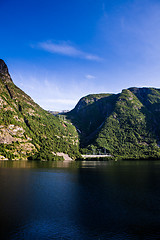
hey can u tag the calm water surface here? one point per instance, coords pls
(80, 200)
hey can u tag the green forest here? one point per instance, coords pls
(29, 132)
(124, 125)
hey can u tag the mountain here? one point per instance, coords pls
(126, 125)
(29, 132)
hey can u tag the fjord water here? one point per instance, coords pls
(80, 200)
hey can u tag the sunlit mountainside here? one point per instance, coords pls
(29, 132)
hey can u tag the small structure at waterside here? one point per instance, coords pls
(96, 156)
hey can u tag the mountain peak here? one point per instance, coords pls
(3, 67)
(5, 76)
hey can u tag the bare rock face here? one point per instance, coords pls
(5, 137)
(5, 76)
(3, 67)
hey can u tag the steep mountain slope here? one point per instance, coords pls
(125, 125)
(28, 131)
(89, 115)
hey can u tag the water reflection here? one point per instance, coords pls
(120, 198)
(80, 200)
(39, 164)
(76, 164)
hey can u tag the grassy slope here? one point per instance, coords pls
(127, 124)
(41, 133)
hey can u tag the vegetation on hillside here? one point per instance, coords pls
(29, 132)
(89, 115)
(125, 125)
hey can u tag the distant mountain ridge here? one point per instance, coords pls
(29, 132)
(126, 125)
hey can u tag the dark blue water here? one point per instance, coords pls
(103, 200)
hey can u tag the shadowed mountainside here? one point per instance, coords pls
(125, 125)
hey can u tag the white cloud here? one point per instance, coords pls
(67, 50)
(90, 76)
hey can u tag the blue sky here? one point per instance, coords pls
(60, 50)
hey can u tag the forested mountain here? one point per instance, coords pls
(29, 132)
(126, 125)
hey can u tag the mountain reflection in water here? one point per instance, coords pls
(80, 200)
